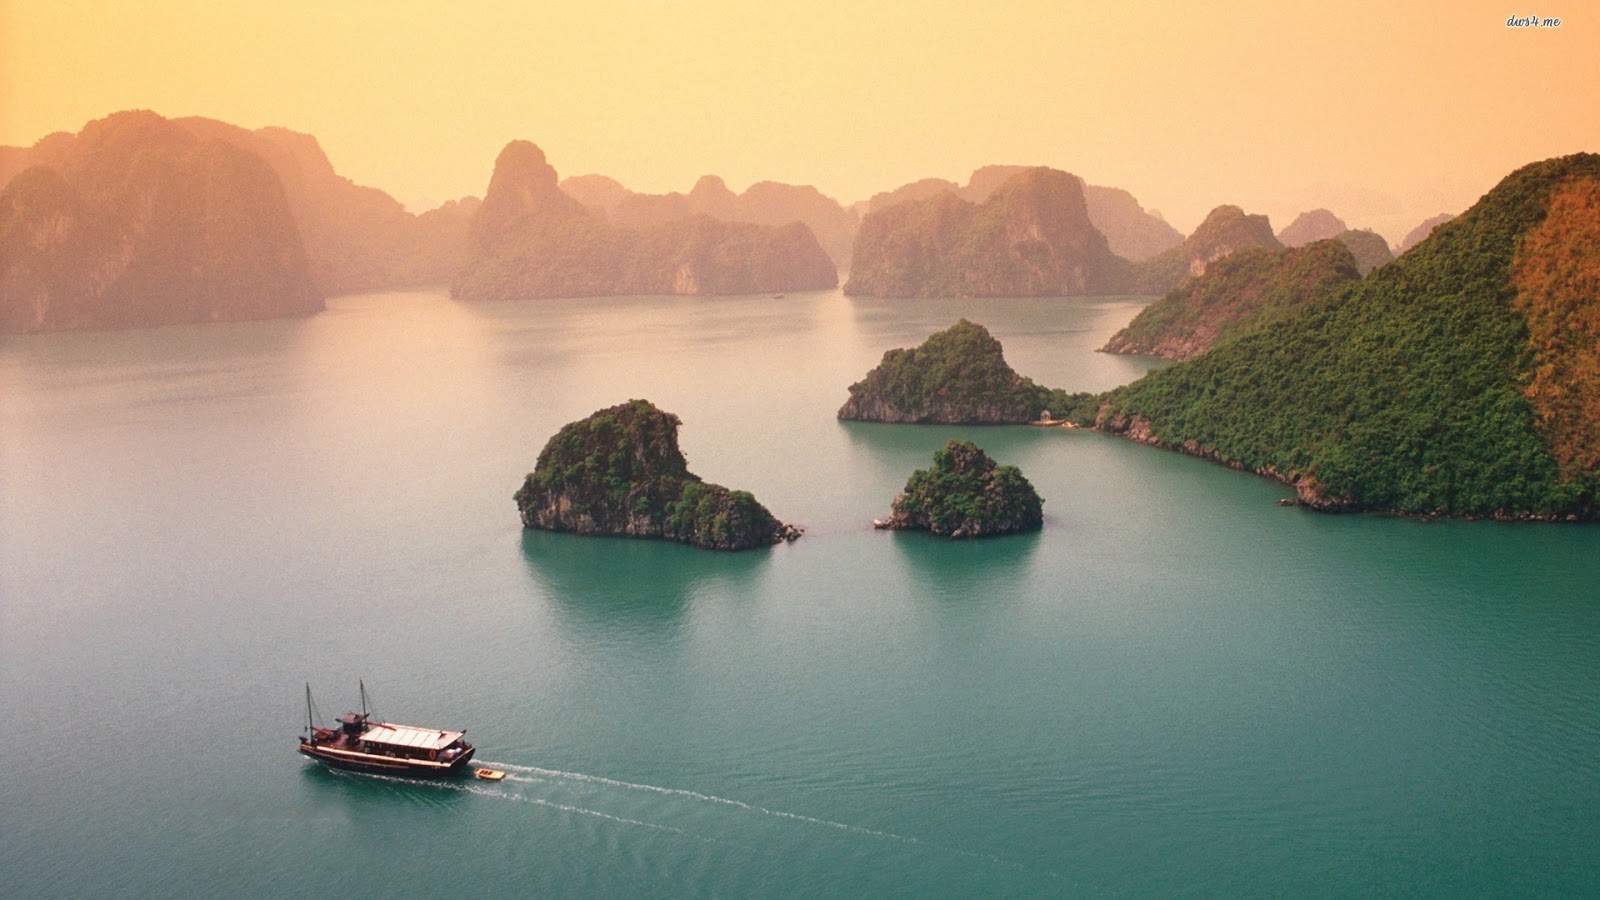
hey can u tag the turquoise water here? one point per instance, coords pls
(1178, 687)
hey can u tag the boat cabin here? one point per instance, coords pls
(363, 745)
(412, 743)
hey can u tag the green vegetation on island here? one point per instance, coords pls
(1369, 248)
(620, 472)
(966, 495)
(1237, 294)
(957, 376)
(1461, 379)
(1226, 230)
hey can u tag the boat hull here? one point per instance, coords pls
(372, 764)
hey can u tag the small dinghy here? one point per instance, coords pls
(489, 774)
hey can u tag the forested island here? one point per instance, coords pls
(1237, 294)
(1226, 230)
(1461, 379)
(966, 495)
(957, 376)
(619, 472)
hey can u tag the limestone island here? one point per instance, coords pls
(1462, 379)
(620, 472)
(965, 495)
(959, 377)
(1238, 294)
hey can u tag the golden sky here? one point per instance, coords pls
(1384, 112)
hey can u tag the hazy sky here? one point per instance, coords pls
(1384, 112)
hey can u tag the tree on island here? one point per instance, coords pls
(965, 495)
(620, 472)
(958, 376)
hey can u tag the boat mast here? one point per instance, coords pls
(310, 723)
(363, 685)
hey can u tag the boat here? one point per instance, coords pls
(489, 774)
(362, 745)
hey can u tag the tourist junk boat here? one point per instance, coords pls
(362, 745)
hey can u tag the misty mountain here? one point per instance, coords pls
(138, 221)
(1031, 237)
(1133, 232)
(531, 239)
(763, 203)
(1226, 229)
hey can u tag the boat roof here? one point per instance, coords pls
(411, 736)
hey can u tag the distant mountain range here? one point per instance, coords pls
(1132, 232)
(81, 254)
(1031, 236)
(531, 239)
(763, 203)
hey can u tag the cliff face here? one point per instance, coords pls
(619, 472)
(1238, 294)
(145, 224)
(965, 495)
(1457, 380)
(1133, 232)
(958, 376)
(356, 238)
(1227, 229)
(531, 239)
(1032, 237)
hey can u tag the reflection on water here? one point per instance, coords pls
(633, 584)
(326, 785)
(1049, 339)
(1176, 686)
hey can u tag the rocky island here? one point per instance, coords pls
(1226, 229)
(1237, 294)
(1031, 237)
(135, 221)
(529, 239)
(1132, 231)
(620, 472)
(763, 203)
(966, 495)
(958, 376)
(1461, 379)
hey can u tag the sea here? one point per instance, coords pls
(1178, 687)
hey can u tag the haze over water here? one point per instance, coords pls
(1177, 686)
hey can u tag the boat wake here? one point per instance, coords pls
(534, 775)
(522, 782)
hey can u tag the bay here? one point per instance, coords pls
(1177, 687)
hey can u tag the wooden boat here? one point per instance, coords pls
(489, 774)
(361, 745)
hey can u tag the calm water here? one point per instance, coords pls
(1177, 688)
